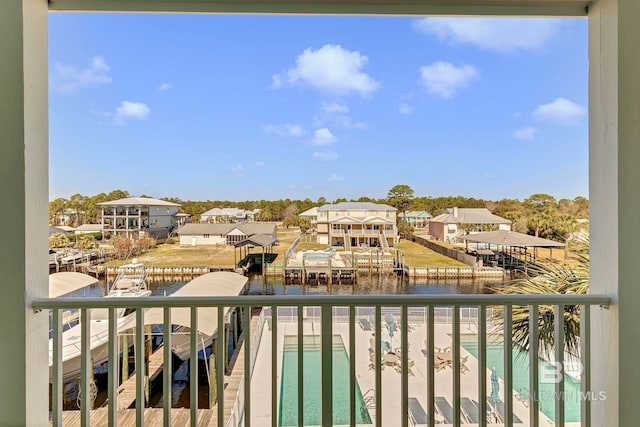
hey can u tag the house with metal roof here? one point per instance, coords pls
(312, 214)
(135, 215)
(227, 215)
(357, 224)
(451, 225)
(225, 234)
(418, 219)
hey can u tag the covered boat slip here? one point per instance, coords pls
(67, 281)
(219, 283)
(510, 239)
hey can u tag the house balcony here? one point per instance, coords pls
(393, 360)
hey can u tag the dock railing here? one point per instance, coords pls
(408, 310)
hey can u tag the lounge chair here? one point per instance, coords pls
(417, 411)
(445, 409)
(470, 409)
(499, 407)
(386, 346)
(365, 324)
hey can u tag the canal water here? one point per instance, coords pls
(259, 285)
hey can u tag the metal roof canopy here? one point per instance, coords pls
(511, 238)
(219, 283)
(261, 240)
(68, 281)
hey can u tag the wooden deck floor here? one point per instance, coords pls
(152, 417)
(179, 416)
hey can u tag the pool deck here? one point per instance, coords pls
(391, 380)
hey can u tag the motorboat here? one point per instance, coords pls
(130, 282)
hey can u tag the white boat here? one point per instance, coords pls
(131, 282)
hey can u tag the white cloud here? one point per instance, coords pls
(526, 133)
(561, 111)
(333, 108)
(335, 178)
(285, 130)
(164, 86)
(405, 108)
(325, 155)
(336, 114)
(330, 69)
(132, 110)
(499, 34)
(445, 79)
(323, 137)
(260, 164)
(69, 78)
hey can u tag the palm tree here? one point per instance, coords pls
(550, 279)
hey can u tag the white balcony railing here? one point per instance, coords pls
(419, 319)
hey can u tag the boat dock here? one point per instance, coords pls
(127, 390)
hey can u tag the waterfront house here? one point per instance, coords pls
(223, 234)
(357, 224)
(456, 222)
(312, 214)
(609, 328)
(227, 215)
(88, 228)
(134, 216)
(418, 219)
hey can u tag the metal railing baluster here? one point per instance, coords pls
(558, 344)
(274, 366)
(112, 375)
(167, 368)
(327, 366)
(534, 418)
(585, 358)
(57, 367)
(300, 366)
(404, 354)
(85, 365)
(377, 352)
(455, 354)
(482, 365)
(139, 356)
(247, 365)
(193, 368)
(508, 365)
(352, 366)
(431, 373)
(220, 355)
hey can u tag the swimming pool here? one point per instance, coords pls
(495, 357)
(312, 381)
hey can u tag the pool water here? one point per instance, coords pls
(312, 384)
(495, 357)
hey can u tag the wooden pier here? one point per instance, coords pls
(152, 417)
(127, 390)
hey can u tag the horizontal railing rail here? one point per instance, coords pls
(321, 300)
(317, 318)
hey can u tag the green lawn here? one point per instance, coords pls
(211, 256)
(416, 255)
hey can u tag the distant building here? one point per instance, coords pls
(312, 214)
(88, 228)
(418, 219)
(448, 226)
(60, 229)
(227, 215)
(135, 215)
(354, 224)
(223, 234)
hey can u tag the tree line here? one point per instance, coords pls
(539, 214)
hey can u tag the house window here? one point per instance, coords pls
(205, 236)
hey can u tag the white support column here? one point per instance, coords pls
(24, 193)
(614, 151)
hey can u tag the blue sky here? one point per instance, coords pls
(269, 107)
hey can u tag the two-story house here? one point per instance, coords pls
(449, 225)
(357, 224)
(135, 215)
